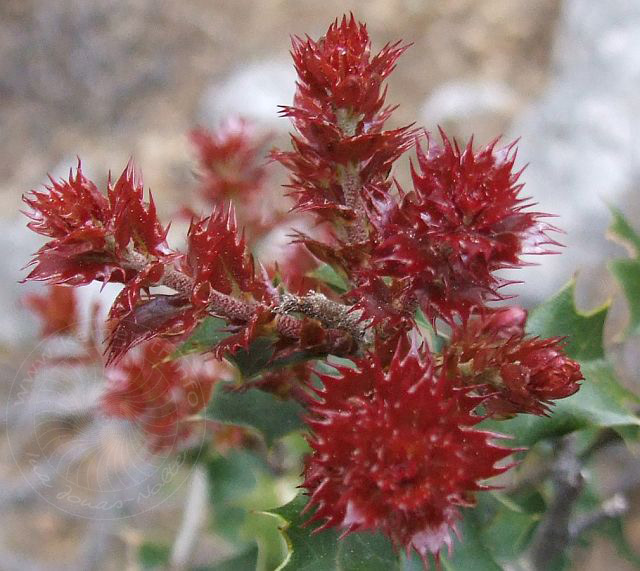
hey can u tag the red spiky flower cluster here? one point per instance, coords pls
(157, 394)
(231, 163)
(396, 450)
(341, 152)
(395, 443)
(57, 310)
(92, 236)
(521, 374)
(463, 221)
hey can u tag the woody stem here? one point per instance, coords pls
(331, 314)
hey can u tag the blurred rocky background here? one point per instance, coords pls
(109, 79)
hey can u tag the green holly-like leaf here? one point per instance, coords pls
(558, 317)
(269, 415)
(622, 232)
(255, 359)
(323, 551)
(231, 479)
(509, 531)
(495, 532)
(241, 484)
(627, 271)
(367, 551)
(208, 334)
(471, 551)
(305, 551)
(250, 362)
(330, 276)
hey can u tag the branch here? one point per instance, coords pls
(615, 506)
(553, 534)
(331, 314)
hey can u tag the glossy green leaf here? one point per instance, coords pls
(240, 484)
(328, 275)
(269, 415)
(471, 551)
(255, 359)
(208, 334)
(370, 551)
(305, 551)
(259, 358)
(323, 551)
(509, 533)
(231, 478)
(559, 317)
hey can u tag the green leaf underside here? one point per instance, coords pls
(308, 551)
(257, 359)
(270, 416)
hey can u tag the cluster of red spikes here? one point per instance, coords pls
(395, 443)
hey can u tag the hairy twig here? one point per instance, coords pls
(330, 314)
(350, 181)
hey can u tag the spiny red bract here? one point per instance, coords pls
(217, 262)
(217, 259)
(230, 161)
(397, 451)
(338, 114)
(92, 235)
(463, 221)
(134, 223)
(157, 394)
(521, 374)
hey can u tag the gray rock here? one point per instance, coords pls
(17, 244)
(253, 91)
(456, 100)
(580, 137)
